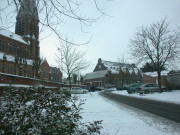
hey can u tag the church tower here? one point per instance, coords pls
(27, 25)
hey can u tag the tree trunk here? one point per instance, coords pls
(69, 75)
(159, 81)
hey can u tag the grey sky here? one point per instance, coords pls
(111, 34)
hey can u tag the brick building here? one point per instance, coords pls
(98, 78)
(56, 74)
(118, 74)
(152, 77)
(20, 51)
(173, 80)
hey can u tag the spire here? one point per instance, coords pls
(27, 19)
(27, 25)
(28, 8)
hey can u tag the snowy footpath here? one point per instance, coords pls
(121, 119)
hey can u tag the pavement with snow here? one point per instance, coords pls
(121, 119)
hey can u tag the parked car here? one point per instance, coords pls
(78, 90)
(89, 88)
(146, 88)
(132, 88)
(98, 89)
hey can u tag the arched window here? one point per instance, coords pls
(31, 29)
(23, 28)
(11, 47)
(19, 28)
(34, 30)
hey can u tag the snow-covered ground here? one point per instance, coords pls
(172, 96)
(120, 119)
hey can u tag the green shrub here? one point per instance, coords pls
(29, 112)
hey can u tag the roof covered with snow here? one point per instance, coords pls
(94, 75)
(11, 58)
(114, 67)
(154, 74)
(12, 35)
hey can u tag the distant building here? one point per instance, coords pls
(173, 80)
(118, 74)
(98, 78)
(56, 75)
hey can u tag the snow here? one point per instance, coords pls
(154, 74)
(29, 62)
(11, 58)
(12, 35)
(15, 85)
(97, 74)
(120, 119)
(1, 56)
(114, 67)
(172, 96)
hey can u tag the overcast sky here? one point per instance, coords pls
(110, 35)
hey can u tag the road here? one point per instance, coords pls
(168, 110)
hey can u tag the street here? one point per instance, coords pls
(167, 110)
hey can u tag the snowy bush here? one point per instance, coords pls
(36, 112)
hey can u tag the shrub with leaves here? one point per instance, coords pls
(29, 112)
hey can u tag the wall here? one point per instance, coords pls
(149, 79)
(173, 81)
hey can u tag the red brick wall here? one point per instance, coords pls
(149, 79)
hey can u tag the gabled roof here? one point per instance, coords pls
(95, 75)
(55, 70)
(12, 35)
(114, 67)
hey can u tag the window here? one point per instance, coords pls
(23, 28)
(19, 28)
(2, 45)
(10, 70)
(31, 25)
(34, 29)
(45, 75)
(29, 73)
(11, 48)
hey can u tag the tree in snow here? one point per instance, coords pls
(75, 78)
(71, 60)
(43, 112)
(158, 44)
(122, 75)
(81, 79)
(20, 62)
(53, 14)
(36, 66)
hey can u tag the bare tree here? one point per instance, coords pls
(37, 67)
(75, 78)
(122, 74)
(158, 44)
(71, 60)
(52, 13)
